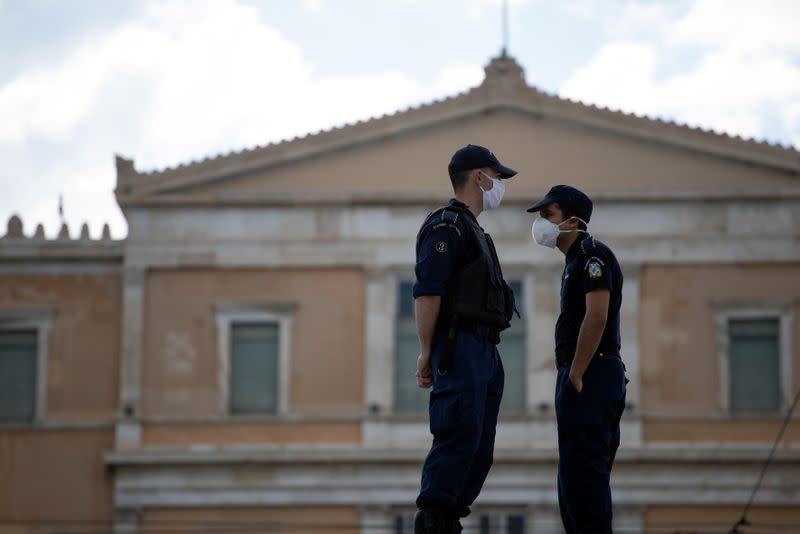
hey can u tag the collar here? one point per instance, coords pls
(458, 204)
(576, 248)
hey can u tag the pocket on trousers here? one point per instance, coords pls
(448, 411)
(443, 411)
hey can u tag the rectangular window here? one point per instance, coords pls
(19, 353)
(254, 351)
(501, 523)
(514, 356)
(408, 398)
(754, 364)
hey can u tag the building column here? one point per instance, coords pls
(629, 330)
(128, 426)
(543, 518)
(629, 519)
(379, 369)
(376, 519)
(126, 521)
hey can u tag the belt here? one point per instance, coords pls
(481, 329)
(565, 356)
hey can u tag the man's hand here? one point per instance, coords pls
(577, 382)
(424, 373)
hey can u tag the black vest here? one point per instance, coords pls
(476, 291)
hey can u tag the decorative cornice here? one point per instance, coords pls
(503, 88)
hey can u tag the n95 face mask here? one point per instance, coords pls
(492, 197)
(546, 233)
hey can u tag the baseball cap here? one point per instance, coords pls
(569, 198)
(475, 157)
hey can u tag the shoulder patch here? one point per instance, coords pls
(594, 266)
(441, 247)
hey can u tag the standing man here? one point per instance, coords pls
(461, 303)
(590, 386)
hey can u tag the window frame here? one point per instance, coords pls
(395, 411)
(41, 321)
(226, 316)
(780, 309)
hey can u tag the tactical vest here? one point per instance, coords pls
(476, 291)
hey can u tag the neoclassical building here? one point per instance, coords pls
(244, 357)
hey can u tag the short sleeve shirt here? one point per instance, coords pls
(441, 249)
(590, 265)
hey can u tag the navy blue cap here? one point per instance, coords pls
(569, 199)
(476, 157)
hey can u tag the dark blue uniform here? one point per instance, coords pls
(465, 401)
(588, 422)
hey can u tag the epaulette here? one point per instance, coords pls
(588, 245)
(447, 217)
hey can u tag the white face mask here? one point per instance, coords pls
(546, 233)
(492, 197)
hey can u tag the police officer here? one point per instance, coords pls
(590, 385)
(462, 303)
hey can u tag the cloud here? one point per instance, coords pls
(727, 87)
(313, 6)
(740, 25)
(186, 80)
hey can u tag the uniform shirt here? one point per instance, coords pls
(589, 265)
(442, 248)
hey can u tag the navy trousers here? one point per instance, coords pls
(463, 409)
(588, 439)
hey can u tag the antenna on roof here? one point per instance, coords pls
(505, 28)
(61, 207)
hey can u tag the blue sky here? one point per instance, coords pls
(167, 82)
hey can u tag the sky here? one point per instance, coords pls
(172, 81)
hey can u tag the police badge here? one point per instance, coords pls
(594, 269)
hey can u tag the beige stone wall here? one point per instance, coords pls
(544, 153)
(55, 475)
(327, 340)
(275, 520)
(83, 361)
(679, 363)
(765, 519)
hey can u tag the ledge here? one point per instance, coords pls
(347, 454)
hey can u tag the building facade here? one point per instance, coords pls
(244, 358)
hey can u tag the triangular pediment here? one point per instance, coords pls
(403, 157)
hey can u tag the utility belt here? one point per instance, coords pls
(490, 333)
(605, 350)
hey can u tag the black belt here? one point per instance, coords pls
(565, 357)
(481, 330)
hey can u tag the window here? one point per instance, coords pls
(754, 364)
(754, 340)
(254, 359)
(501, 523)
(411, 399)
(482, 523)
(18, 363)
(408, 398)
(23, 365)
(514, 356)
(254, 368)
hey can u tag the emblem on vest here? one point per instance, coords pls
(441, 247)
